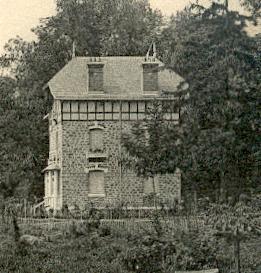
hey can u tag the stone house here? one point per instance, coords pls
(95, 99)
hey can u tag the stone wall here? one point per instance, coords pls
(74, 178)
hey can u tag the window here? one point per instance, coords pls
(47, 187)
(52, 183)
(95, 77)
(148, 185)
(58, 190)
(96, 183)
(110, 110)
(96, 140)
(150, 77)
(57, 145)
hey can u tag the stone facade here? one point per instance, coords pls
(76, 160)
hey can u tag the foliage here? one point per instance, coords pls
(235, 224)
(148, 254)
(79, 247)
(22, 152)
(122, 27)
(219, 143)
(150, 146)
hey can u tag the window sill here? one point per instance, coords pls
(97, 155)
(98, 93)
(150, 93)
(150, 194)
(96, 195)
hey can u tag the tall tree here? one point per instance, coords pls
(220, 116)
(151, 145)
(18, 154)
(122, 27)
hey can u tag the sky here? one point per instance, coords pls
(18, 17)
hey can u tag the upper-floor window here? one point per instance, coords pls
(150, 77)
(96, 140)
(95, 77)
(111, 110)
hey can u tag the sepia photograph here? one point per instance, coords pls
(130, 136)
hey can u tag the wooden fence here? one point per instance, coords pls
(118, 226)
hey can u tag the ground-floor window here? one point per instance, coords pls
(96, 183)
(52, 183)
(148, 187)
(53, 189)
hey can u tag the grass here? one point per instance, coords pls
(61, 253)
(79, 248)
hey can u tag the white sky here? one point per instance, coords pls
(17, 17)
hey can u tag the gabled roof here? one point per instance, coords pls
(122, 78)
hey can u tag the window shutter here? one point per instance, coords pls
(52, 183)
(47, 191)
(96, 182)
(57, 145)
(150, 77)
(96, 140)
(148, 185)
(95, 77)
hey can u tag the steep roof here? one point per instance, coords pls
(122, 78)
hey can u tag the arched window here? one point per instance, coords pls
(96, 183)
(96, 140)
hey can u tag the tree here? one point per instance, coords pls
(122, 27)
(219, 142)
(17, 156)
(151, 145)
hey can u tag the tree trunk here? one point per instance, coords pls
(237, 252)
(222, 196)
(154, 193)
(195, 200)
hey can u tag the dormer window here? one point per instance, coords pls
(95, 71)
(150, 77)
